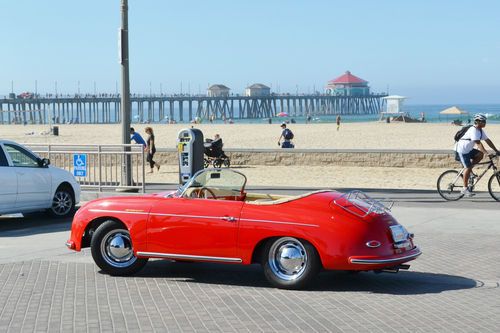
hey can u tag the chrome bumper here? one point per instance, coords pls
(386, 261)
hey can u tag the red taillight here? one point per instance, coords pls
(70, 245)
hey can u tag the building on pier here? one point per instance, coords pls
(218, 90)
(348, 85)
(258, 89)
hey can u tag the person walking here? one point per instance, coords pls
(137, 138)
(287, 136)
(467, 154)
(151, 149)
(338, 122)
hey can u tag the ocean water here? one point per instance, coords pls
(431, 113)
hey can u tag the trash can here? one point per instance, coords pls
(55, 130)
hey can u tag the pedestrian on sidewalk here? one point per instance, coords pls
(151, 149)
(137, 138)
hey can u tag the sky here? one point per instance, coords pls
(434, 52)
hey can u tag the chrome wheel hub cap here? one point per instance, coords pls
(288, 258)
(116, 249)
(62, 203)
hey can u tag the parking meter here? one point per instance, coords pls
(190, 148)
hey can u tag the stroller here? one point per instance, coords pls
(215, 155)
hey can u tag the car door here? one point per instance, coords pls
(34, 183)
(8, 181)
(191, 228)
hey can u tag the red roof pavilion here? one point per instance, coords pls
(347, 78)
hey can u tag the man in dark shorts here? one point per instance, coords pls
(467, 154)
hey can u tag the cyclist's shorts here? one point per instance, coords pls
(466, 159)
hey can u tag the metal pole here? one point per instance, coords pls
(125, 95)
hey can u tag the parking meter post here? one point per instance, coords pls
(190, 151)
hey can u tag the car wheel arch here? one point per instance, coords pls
(67, 186)
(93, 225)
(259, 248)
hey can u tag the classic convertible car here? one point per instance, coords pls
(213, 219)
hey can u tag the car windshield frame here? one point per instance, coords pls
(207, 178)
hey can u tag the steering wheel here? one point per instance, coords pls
(203, 193)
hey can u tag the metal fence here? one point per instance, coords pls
(104, 167)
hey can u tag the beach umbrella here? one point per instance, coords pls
(454, 111)
(282, 114)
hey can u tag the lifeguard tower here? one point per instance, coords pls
(394, 108)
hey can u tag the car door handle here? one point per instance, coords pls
(228, 218)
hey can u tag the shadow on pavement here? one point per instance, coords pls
(403, 283)
(32, 224)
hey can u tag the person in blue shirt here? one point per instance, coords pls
(136, 137)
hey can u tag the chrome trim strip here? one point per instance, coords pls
(203, 217)
(182, 215)
(384, 261)
(188, 257)
(279, 222)
(116, 211)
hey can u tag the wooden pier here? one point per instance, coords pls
(151, 109)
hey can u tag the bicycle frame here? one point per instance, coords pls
(491, 165)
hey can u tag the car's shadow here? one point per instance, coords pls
(403, 283)
(32, 224)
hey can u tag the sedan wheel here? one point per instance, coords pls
(63, 203)
(112, 250)
(290, 263)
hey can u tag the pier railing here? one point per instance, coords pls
(101, 168)
(155, 109)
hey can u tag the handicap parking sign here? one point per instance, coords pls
(80, 165)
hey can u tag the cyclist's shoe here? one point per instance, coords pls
(467, 193)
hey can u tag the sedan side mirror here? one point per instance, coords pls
(43, 162)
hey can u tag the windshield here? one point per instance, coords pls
(221, 179)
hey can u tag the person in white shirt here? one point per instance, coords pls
(466, 152)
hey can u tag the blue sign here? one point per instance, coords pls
(80, 165)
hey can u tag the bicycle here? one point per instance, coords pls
(450, 183)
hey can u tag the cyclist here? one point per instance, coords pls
(467, 154)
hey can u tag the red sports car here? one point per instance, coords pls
(213, 219)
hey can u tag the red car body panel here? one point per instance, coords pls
(211, 229)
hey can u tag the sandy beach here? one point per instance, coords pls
(373, 135)
(370, 135)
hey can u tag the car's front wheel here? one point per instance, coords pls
(63, 202)
(112, 250)
(290, 263)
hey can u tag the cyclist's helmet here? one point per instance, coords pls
(480, 117)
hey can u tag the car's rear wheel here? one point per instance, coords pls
(63, 202)
(112, 250)
(290, 263)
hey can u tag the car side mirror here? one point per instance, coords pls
(43, 162)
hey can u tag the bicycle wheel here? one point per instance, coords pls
(494, 186)
(450, 185)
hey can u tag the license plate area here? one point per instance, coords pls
(399, 234)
